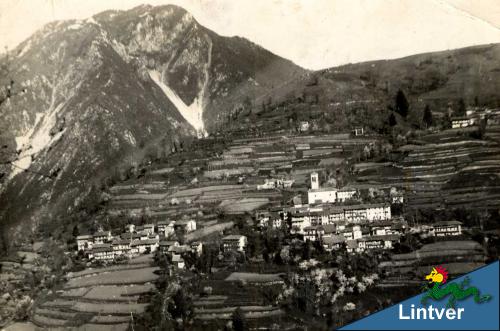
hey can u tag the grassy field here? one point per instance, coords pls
(138, 276)
(107, 308)
(119, 293)
(95, 271)
(206, 231)
(243, 205)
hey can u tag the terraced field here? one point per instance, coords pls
(458, 257)
(181, 187)
(448, 169)
(229, 294)
(99, 299)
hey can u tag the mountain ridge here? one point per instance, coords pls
(91, 108)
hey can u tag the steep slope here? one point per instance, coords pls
(359, 94)
(471, 73)
(102, 93)
(205, 75)
(85, 111)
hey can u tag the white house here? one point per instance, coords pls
(368, 212)
(352, 233)
(84, 242)
(304, 126)
(234, 242)
(335, 214)
(101, 237)
(461, 122)
(269, 184)
(320, 195)
(196, 247)
(187, 225)
(300, 221)
(447, 228)
(121, 246)
(397, 196)
(345, 193)
(165, 245)
(143, 246)
(377, 242)
(178, 261)
(148, 228)
(165, 228)
(273, 220)
(313, 233)
(103, 252)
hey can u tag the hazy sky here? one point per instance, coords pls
(312, 33)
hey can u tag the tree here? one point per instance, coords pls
(239, 321)
(392, 120)
(306, 250)
(76, 231)
(461, 110)
(180, 306)
(427, 116)
(402, 104)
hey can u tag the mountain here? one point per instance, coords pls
(103, 93)
(360, 93)
(438, 78)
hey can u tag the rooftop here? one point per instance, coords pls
(366, 206)
(333, 240)
(143, 242)
(347, 189)
(390, 237)
(121, 241)
(447, 223)
(102, 248)
(102, 234)
(168, 242)
(233, 237)
(329, 228)
(85, 236)
(324, 189)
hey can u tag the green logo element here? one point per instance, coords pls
(457, 292)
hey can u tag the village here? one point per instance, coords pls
(325, 219)
(263, 225)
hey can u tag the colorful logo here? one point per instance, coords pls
(436, 290)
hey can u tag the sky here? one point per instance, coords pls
(315, 34)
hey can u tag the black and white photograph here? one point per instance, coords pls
(244, 165)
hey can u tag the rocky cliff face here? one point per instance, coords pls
(100, 91)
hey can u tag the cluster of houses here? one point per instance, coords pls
(149, 238)
(356, 228)
(103, 246)
(439, 229)
(473, 116)
(303, 216)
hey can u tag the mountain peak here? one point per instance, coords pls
(105, 91)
